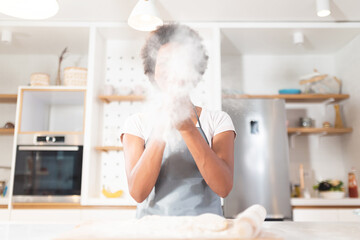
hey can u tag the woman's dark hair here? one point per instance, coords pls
(173, 33)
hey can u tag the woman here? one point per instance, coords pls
(188, 179)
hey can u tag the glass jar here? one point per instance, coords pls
(353, 187)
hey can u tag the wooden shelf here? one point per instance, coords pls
(108, 148)
(7, 131)
(319, 130)
(8, 98)
(296, 98)
(117, 98)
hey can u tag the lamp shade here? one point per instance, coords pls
(298, 38)
(144, 16)
(6, 36)
(29, 9)
(323, 8)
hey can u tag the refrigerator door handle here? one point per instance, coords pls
(254, 127)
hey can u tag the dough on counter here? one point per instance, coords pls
(210, 222)
(249, 221)
(246, 225)
(205, 223)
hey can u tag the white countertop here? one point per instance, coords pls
(325, 202)
(284, 230)
(312, 230)
(32, 231)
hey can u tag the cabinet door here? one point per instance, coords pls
(4, 215)
(348, 215)
(107, 214)
(315, 215)
(45, 215)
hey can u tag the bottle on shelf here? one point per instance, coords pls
(353, 186)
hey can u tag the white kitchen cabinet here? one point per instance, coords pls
(325, 215)
(348, 215)
(319, 209)
(315, 215)
(52, 109)
(107, 214)
(4, 215)
(66, 215)
(46, 215)
(113, 60)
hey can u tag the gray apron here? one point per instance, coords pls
(180, 189)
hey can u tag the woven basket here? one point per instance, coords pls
(40, 79)
(75, 76)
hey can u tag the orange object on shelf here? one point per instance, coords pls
(109, 194)
(338, 120)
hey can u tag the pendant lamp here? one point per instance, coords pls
(144, 16)
(323, 8)
(298, 38)
(29, 9)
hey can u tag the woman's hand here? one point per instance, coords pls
(177, 112)
(186, 125)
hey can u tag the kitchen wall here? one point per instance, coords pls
(348, 69)
(322, 156)
(16, 69)
(266, 74)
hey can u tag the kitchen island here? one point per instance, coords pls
(270, 230)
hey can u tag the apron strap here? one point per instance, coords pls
(198, 119)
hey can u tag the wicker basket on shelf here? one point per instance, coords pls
(75, 76)
(40, 79)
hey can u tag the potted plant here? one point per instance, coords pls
(330, 189)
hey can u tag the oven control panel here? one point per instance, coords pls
(50, 139)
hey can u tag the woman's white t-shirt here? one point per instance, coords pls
(212, 123)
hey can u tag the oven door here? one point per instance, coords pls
(48, 170)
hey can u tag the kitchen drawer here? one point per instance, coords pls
(4, 215)
(325, 215)
(315, 215)
(45, 215)
(348, 215)
(107, 214)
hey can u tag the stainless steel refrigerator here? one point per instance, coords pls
(261, 172)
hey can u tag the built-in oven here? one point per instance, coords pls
(48, 168)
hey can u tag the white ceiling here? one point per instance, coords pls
(280, 41)
(207, 10)
(241, 41)
(46, 40)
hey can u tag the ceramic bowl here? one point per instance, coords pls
(332, 194)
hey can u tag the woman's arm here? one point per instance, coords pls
(142, 164)
(215, 164)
